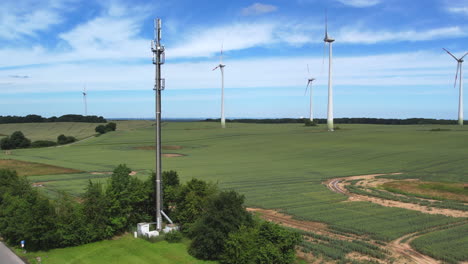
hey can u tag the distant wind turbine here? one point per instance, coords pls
(329, 40)
(221, 68)
(460, 98)
(309, 83)
(84, 101)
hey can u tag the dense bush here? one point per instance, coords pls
(263, 243)
(62, 139)
(224, 213)
(307, 122)
(102, 129)
(16, 140)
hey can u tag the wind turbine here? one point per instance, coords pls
(460, 98)
(309, 83)
(221, 68)
(329, 40)
(84, 101)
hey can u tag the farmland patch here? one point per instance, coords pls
(24, 168)
(431, 190)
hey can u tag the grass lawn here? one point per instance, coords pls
(124, 250)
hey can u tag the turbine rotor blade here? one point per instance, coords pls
(215, 68)
(463, 56)
(306, 88)
(308, 69)
(450, 54)
(456, 75)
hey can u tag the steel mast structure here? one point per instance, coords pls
(158, 60)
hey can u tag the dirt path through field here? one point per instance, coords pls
(338, 185)
(404, 249)
(399, 250)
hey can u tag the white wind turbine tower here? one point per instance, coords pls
(221, 68)
(84, 101)
(460, 99)
(309, 83)
(329, 40)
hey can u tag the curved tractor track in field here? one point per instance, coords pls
(338, 185)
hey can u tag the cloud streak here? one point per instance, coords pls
(258, 9)
(360, 3)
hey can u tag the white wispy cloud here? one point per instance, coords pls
(258, 8)
(398, 69)
(26, 18)
(458, 10)
(363, 36)
(360, 3)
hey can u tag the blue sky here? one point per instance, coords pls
(388, 57)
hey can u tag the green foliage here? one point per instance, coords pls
(224, 213)
(96, 211)
(16, 140)
(101, 129)
(25, 214)
(62, 139)
(43, 144)
(307, 122)
(127, 196)
(191, 200)
(173, 237)
(111, 126)
(263, 243)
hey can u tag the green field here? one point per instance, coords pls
(280, 166)
(50, 131)
(123, 250)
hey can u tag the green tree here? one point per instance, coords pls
(96, 212)
(224, 213)
(263, 243)
(111, 126)
(19, 140)
(72, 225)
(191, 200)
(101, 129)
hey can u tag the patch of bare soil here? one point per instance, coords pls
(132, 173)
(101, 172)
(287, 220)
(338, 185)
(400, 248)
(168, 147)
(172, 155)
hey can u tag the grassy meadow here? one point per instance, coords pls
(122, 250)
(277, 166)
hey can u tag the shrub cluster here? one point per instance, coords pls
(27, 215)
(16, 140)
(102, 129)
(62, 139)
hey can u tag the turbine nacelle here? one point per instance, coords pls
(219, 66)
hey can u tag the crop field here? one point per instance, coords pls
(50, 131)
(280, 166)
(123, 250)
(449, 245)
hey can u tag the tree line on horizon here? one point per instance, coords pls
(39, 119)
(346, 120)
